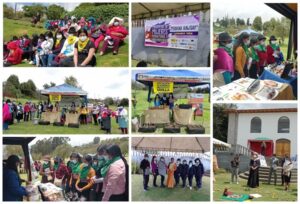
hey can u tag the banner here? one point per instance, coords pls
(55, 97)
(179, 32)
(163, 87)
(180, 90)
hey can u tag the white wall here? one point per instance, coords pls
(268, 128)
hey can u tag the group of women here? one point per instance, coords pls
(246, 57)
(103, 177)
(71, 45)
(175, 171)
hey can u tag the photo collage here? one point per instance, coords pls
(149, 101)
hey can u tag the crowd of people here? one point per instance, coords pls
(68, 42)
(245, 56)
(101, 114)
(99, 177)
(175, 171)
(285, 164)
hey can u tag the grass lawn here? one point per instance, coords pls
(21, 27)
(142, 104)
(165, 194)
(268, 192)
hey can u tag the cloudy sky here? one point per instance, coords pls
(77, 140)
(247, 9)
(99, 83)
(67, 6)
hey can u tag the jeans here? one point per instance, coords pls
(272, 171)
(190, 178)
(50, 60)
(145, 181)
(5, 125)
(234, 174)
(199, 181)
(183, 178)
(44, 60)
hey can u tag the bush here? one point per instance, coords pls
(105, 11)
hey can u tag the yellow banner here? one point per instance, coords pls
(163, 87)
(55, 97)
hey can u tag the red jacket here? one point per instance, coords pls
(271, 58)
(263, 58)
(26, 108)
(117, 29)
(15, 55)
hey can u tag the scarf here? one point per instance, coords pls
(274, 46)
(254, 55)
(81, 45)
(57, 42)
(228, 50)
(101, 163)
(73, 166)
(261, 48)
(84, 172)
(46, 166)
(106, 166)
(71, 40)
(245, 47)
(56, 166)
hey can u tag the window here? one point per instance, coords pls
(283, 125)
(255, 125)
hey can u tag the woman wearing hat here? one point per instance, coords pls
(253, 69)
(273, 51)
(262, 53)
(46, 170)
(242, 56)
(12, 189)
(253, 179)
(223, 60)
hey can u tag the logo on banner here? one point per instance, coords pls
(163, 87)
(55, 97)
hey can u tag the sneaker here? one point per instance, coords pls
(31, 62)
(191, 188)
(101, 53)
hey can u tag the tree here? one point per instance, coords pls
(248, 21)
(257, 23)
(72, 81)
(124, 102)
(8, 12)
(96, 140)
(14, 81)
(109, 101)
(220, 122)
(47, 86)
(34, 10)
(55, 11)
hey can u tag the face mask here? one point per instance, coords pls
(85, 165)
(262, 42)
(247, 42)
(100, 157)
(95, 163)
(162, 160)
(46, 162)
(47, 37)
(256, 46)
(146, 158)
(116, 23)
(273, 42)
(74, 161)
(59, 37)
(70, 35)
(190, 164)
(82, 38)
(106, 157)
(177, 163)
(229, 45)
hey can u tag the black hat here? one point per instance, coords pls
(273, 37)
(261, 37)
(72, 30)
(224, 37)
(253, 41)
(244, 35)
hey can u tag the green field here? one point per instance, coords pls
(165, 194)
(21, 27)
(142, 104)
(268, 192)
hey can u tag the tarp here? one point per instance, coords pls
(177, 76)
(72, 118)
(183, 116)
(157, 116)
(172, 144)
(51, 117)
(64, 89)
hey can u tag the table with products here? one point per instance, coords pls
(265, 90)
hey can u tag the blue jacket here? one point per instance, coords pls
(12, 189)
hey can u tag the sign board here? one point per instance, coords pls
(163, 87)
(180, 90)
(197, 102)
(55, 98)
(179, 32)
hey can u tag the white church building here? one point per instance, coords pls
(264, 128)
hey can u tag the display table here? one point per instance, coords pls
(51, 117)
(183, 116)
(72, 118)
(237, 90)
(157, 116)
(292, 81)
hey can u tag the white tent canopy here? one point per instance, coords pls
(172, 144)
